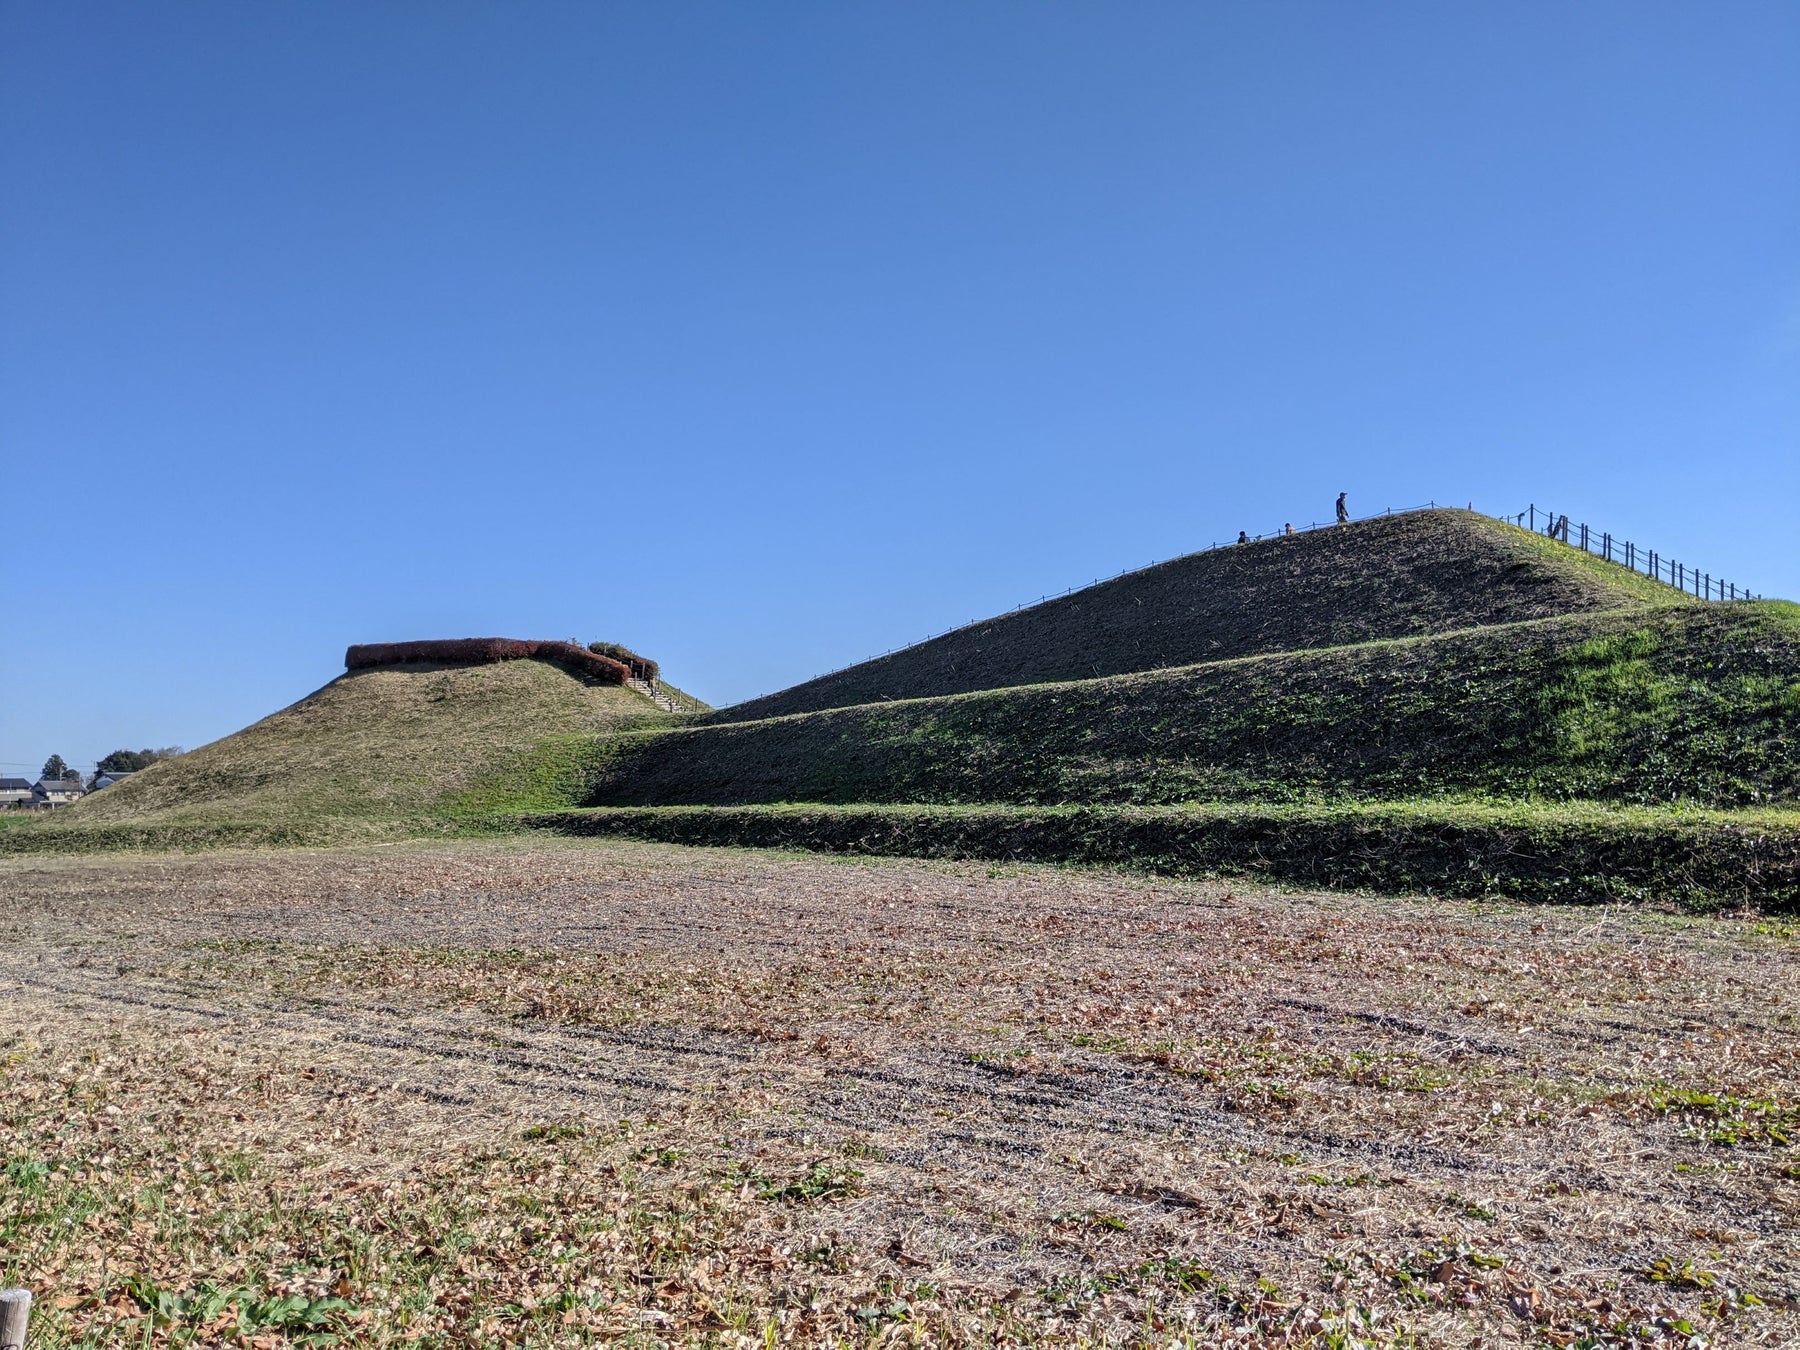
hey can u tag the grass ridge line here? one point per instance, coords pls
(1697, 860)
(1420, 573)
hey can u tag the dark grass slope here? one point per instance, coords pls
(1683, 703)
(1697, 860)
(1397, 576)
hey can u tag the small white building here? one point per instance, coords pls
(108, 779)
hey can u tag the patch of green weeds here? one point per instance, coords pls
(241, 1312)
(1678, 1273)
(824, 1181)
(1091, 1218)
(1725, 1120)
(1473, 1209)
(555, 1131)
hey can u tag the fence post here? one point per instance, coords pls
(1533, 511)
(15, 1312)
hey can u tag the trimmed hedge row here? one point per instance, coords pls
(641, 666)
(1698, 862)
(483, 651)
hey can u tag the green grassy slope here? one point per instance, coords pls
(1399, 576)
(1683, 703)
(374, 744)
(1432, 701)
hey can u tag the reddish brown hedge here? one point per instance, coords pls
(641, 666)
(481, 651)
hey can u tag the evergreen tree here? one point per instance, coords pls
(130, 761)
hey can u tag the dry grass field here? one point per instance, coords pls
(559, 1093)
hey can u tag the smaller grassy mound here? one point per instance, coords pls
(1680, 703)
(1697, 859)
(1420, 573)
(374, 745)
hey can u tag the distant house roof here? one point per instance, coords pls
(110, 777)
(15, 785)
(60, 784)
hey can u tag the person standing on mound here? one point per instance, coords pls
(1343, 511)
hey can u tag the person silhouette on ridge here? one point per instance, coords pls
(1343, 511)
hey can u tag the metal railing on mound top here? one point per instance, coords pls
(1624, 553)
(1645, 562)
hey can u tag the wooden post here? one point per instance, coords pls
(15, 1312)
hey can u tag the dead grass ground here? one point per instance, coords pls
(556, 1093)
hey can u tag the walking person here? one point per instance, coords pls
(1343, 511)
(1243, 537)
(1289, 528)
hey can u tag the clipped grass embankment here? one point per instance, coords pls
(1645, 755)
(1698, 860)
(1686, 703)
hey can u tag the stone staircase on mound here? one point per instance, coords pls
(661, 697)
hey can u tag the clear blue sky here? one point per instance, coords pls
(765, 337)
